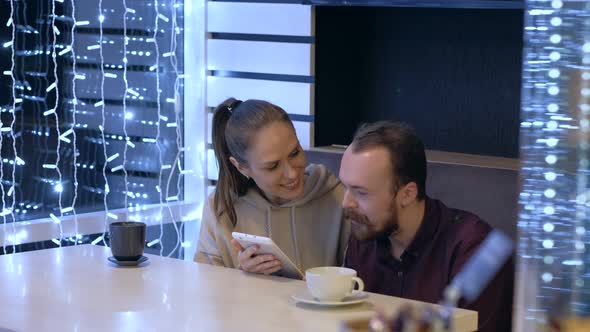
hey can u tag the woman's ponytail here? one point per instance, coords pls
(231, 183)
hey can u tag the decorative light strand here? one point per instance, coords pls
(553, 220)
(578, 245)
(39, 127)
(102, 112)
(18, 160)
(56, 116)
(12, 194)
(74, 120)
(1, 135)
(125, 61)
(35, 83)
(179, 151)
(158, 119)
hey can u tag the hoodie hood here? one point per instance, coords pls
(309, 229)
(318, 181)
(287, 224)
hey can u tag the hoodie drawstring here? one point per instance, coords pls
(294, 237)
(268, 229)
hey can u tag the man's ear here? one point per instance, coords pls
(409, 194)
(241, 168)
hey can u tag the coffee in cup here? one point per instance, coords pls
(127, 240)
(332, 283)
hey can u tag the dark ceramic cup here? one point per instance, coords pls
(127, 240)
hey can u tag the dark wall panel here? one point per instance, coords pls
(454, 74)
(491, 193)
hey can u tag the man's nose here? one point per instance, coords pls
(348, 201)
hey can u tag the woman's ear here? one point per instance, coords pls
(241, 168)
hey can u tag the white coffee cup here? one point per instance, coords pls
(332, 283)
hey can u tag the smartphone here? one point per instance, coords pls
(267, 246)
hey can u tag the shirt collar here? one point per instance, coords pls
(426, 231)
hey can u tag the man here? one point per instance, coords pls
(404, 243)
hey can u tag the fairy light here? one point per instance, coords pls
(125, 42)
(72, 129)
(12, 67)
(576, 259)
(40, 80)
(55, 86)
(555, 157)
(177, 159)
(103, 117)
(51, 186)
(159, 106)
(97, 240)
(153, 243)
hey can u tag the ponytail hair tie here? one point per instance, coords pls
(233, 105)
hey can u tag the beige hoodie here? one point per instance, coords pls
(309, 230)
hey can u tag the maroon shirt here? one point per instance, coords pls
(444, 242)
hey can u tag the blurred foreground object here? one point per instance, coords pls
(574, 324)
(468, 284)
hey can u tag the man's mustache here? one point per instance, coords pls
(353, 215)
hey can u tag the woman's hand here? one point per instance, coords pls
(250, 262)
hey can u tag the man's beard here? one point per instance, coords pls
(363, 229)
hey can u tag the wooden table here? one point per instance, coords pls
(77, 289)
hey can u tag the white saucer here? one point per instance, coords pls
(305, 297)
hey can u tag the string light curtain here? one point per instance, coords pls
(554, 266)
(92, 115)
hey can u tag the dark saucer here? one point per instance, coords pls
(127, 263)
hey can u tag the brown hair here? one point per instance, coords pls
(234, 124)
(406, 150)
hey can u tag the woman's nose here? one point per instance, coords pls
(290, 171)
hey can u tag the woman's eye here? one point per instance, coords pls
(295, 153)
(273, 166)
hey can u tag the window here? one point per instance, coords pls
(93, 114)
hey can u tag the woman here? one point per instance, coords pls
(264, 188)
